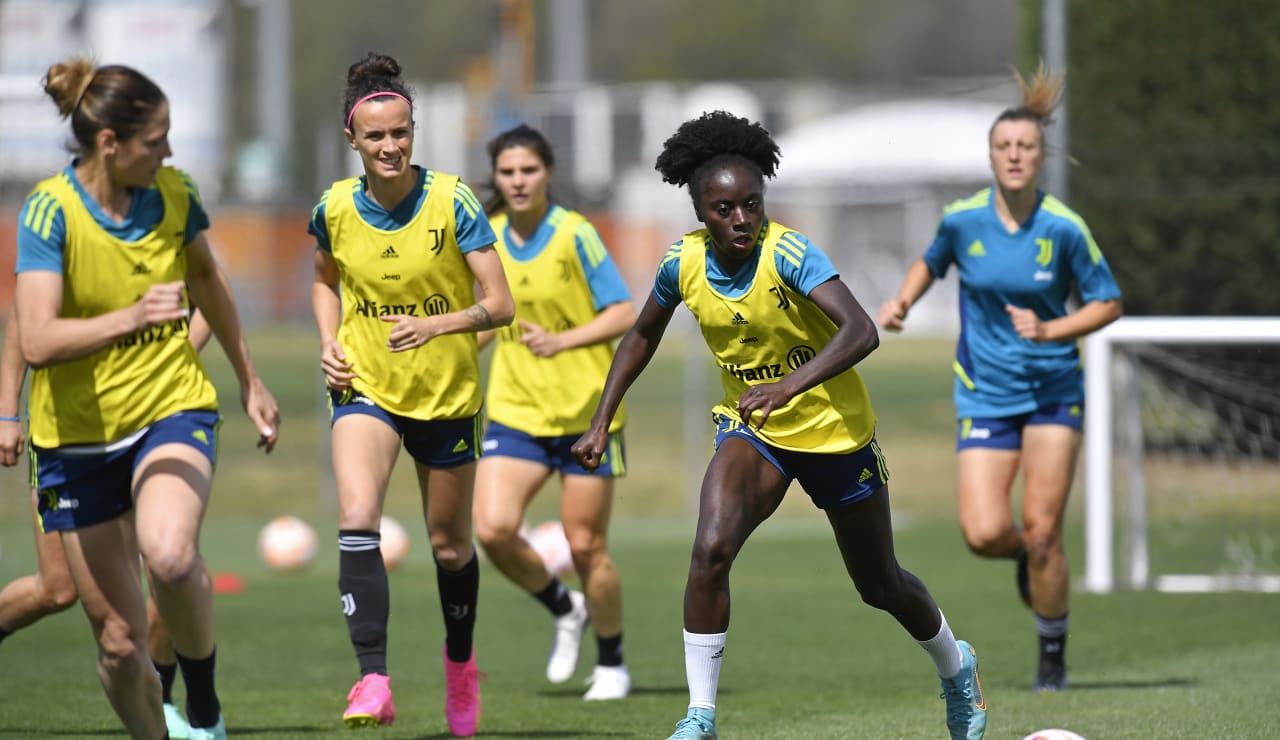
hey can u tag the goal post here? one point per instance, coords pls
(1113, 404)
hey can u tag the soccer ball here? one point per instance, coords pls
(1053, 735)
(287, 543)
(548, 540)
(395, 542)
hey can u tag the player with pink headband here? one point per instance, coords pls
(400, 250)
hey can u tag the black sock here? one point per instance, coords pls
(203, 708)
(366, 597)
(4, 634)
(556, 598)
(168, 672)
(458, 595)
(609, 650)
(1053, 639)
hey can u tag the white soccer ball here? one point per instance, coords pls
(395, 542)
(287, 543)
(1053, 735)
(548, 540)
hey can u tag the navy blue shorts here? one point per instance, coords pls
(438, 443)
(1005, 432)
(831, 480)
(83, 485)
(554, 452)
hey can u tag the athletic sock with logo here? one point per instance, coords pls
(203, 708)
(556, 598)
(1053, 639)
(459, 591)
(703, 654)
(366, 596)
(609, 650)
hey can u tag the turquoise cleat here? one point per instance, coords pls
(174, 721)
(699, 724)
(966, 706)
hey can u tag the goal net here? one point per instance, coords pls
(1182, 455)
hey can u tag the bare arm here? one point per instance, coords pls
(855, 338)
(326, 305)
(198, 330)
(47, 338)
(493, 309)
(13, 371)
(611, 322)
(1089, 318)
(632, 355)
(211, 292)
(914, 284)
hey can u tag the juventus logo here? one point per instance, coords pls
(783, 301)
(457, 611)
(437, 240)
(348, 604)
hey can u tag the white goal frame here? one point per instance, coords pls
(1105, 371)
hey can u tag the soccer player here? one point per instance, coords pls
(786, 334)
(50, 589)
(547, 370)
(123, 417)
(1019, 387)
(400, 251)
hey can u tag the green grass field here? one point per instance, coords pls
(805, 658)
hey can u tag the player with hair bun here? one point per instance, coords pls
(786, 334)
(399, 253)
(124, 419)
(1019, 385)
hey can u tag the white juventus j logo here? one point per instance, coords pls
(457, 611)
(348, 604)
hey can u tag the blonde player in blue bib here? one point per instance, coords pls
(123, 417)
(401, 250)
(548, 368)
(786, 333)
(1019, 382)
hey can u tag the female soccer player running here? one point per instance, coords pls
(786, 334)
(1019, 386)
(400, 251)
(548, 368)
(123, 418)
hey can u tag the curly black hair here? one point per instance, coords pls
(713, 140)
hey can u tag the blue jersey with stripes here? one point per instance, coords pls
(1038, 266)
(42, 227)
(814, 269)
(473, 229)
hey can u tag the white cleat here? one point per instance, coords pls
(568, 640)
(608, 682)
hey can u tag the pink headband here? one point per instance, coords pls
(375, 95)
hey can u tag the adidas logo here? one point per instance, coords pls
(718, 654)
(977, 250)
(865, 476)
(389, 253)
(461, 446)
(524, 280)
(201, 435)
(141, 269)
(738, 320)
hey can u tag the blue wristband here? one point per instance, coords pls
(14, 419)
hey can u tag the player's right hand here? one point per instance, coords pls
(338, 373)
(11, 443)
(892, 313)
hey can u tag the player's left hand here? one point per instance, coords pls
(261, 407)
(540, 342)
(409, 332)
(764, 398)
(11, 443)
(1026, 323)
(590, 447)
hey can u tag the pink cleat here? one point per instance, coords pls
(462, 695)
(369, 702)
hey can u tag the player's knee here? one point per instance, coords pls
(882, 593)
(57, 594)
(1042, 544)
(713, 554)
(495, 536)
(985, 541)
(174, 567)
